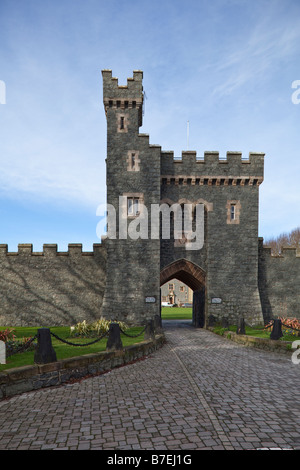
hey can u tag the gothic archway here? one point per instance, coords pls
(194, 277)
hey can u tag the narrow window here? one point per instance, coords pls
(133, 161)
(122, 122)
(133, 209)
(232, 212)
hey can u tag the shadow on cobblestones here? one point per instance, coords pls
(198, 392)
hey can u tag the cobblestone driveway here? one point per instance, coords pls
(200, 391)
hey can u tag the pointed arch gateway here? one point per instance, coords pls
(194, 277)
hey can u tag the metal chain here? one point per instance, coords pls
(79, 344)
(133, 336)
(282, 324)
(23, 347)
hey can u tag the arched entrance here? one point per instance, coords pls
(194, 277)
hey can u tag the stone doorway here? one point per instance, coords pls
(194, 277)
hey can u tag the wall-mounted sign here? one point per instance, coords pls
(150, 300)
(216, 300)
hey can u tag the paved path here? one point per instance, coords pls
(200, 391)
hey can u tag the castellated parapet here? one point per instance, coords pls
(212, 170)
(49, 249)
(123, 97)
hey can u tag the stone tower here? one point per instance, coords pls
(223, 272)
(133, 174)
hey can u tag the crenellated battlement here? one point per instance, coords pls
(123, 97)
(210, 169)
(287, 252)
(49, 249)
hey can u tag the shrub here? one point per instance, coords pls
(19, 345)
(6, 335)
(290, 326)
(98, 327)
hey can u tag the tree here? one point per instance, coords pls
(291, 239)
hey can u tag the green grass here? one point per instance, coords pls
(176, 313)
(63, 350)
(258, 332)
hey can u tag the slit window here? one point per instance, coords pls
(232, 212)
(133, 160)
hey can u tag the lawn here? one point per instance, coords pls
(176, 313)
(258, 332)
(63, 350)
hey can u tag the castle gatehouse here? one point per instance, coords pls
(193, 218)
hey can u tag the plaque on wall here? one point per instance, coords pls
(216, 300)
(150, 300)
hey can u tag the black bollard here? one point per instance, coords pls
(45, 352)
(241, 330)
(149, 332)
(114, 341)
(276, 332)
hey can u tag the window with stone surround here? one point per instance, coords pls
(233, 212)
(135, 204)
(133, 161)
(122, 122)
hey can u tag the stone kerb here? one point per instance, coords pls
(28, 378)
(255, 342)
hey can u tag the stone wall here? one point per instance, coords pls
(279, 282)
(51, 288)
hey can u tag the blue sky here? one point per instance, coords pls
(226, 66)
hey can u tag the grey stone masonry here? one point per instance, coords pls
(133, 266)
(51, 287)
(279, 281)
(228, 189)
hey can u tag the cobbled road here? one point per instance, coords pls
(199, 391)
